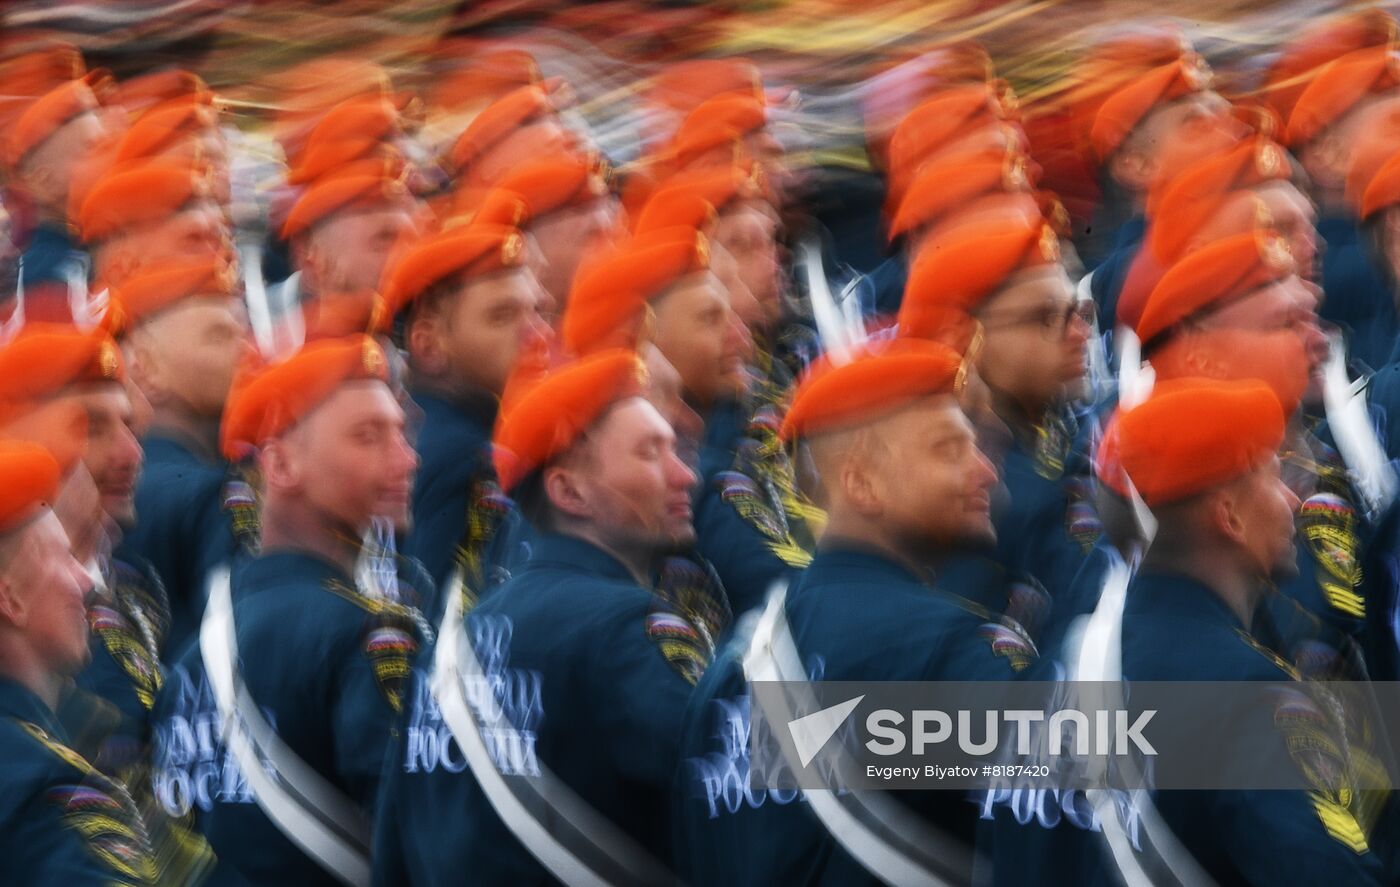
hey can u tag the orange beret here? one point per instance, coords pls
(336, 315)
(878, 380)
(684, 86)
(1384, 189)
(350, 131)
(944, 188)
(609, 293)
(268, 399)
(556, 182)
(46, 358)
(957, 272)
(496, 206)
(717, 122)
(137, 194)
(1316, 46)
(472, 251)
(48, 113)
(155, 288)
(486, 74)
(1373, 148)
(29, 481)
(1190, 200)
(147, 91)
(692, 198)
(939, 122)
(1212, 276)
(541, 422)
(1338, 88)
(161, 128)
(508, 113)
(1191, 435)
(31, 74)
(1121, 113)
(359, 185)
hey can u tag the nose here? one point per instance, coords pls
(986, 473)
(680, 475)
(131, 447)
(408, 456)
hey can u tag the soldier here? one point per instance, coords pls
(1227, 193)
(1341, 104)
(65, 823)
(184, 330)
(140, 213)
(1204, 457)
(46, 144)
(658, 287)
(1007, 276)
(325, 651)
(470, 308)
(108, 716)
(905, 486)
(594, 668)
(1146, 132)
(344, 230)
(523, 123)
(960, 124)
(562, 203)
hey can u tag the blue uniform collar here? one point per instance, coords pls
(288, 566)
(1180, 595)
(1336, 231)
(840, 562)
(557, 549)
(1131, 232)
(479, 410)
(168, 446)
(19, 702)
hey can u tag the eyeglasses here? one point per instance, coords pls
(1054, 320)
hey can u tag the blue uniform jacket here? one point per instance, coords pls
(327, 667)
(741, 527)
(855, 616)
(184, 528)
(573, 648)
(1176, 629)
(1358, 297)
(456, 475)
(61, 822)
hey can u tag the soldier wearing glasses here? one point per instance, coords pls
(1001, 274)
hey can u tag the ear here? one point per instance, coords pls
(424, 338)
(1225, 516)
(14, 608)
(144, 366)
(564, 493)
(279, 465)
(861, 488)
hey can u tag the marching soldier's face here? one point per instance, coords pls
(702, 338)
(185, 357)
(349, 252)
(565, 237)
(43, 592)
(1173, 136)
(749, 233)
(483, 327)
(1290, 212)
(113, 455)
(631, 485)
(1035, 339)
(1288, 305)
(48, 171)
(1265, 507)
(932, 481)
(350, 459)
(199, 228)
